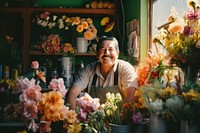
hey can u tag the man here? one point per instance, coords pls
(108, 74)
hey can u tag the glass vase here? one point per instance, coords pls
(67, 70)
(157, 125)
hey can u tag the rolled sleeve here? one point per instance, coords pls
(83, 78)
(128, 76)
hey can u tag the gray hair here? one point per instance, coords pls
(104, 38)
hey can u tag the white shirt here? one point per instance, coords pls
(127, 76)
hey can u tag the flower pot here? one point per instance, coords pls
(82, 44)
(184, 127)
(157, 125)
(114, 128)
(139, 128)
(67, 70)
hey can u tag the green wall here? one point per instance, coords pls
(131, 9)
(138, 9)
(144, 29)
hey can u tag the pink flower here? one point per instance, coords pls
(35, 65)
(193, 14)
(44, 15)
(58, 84)
(33, 126)
(87, 105)
(22, 84)
(45, 127)
(30, 110)
(83, 114)
(31, 94)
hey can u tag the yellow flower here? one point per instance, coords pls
(72, 50)
(104, 21)
(67, 44)
(89, 20)
(192, 3)
(191, 95)
(110, 27)
(75, 128)
(71, 116)
(167, 92)
(167, 42)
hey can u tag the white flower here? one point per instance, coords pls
(54, 18)
(174, 104)
(156, 106)
(198, 44)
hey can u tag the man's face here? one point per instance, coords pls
(107, 53)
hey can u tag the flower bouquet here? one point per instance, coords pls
(90, 114)
(159, 84)
(8, 99)
(52, 23)
(181, 39)
(68, 50)
(186, 106)
(40, 110)
(122, 113)
(82, 27)
(51, 44)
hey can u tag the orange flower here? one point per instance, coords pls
(88, 35)
(76, 21)
(175, 27)
(52, 103)
(41, 75)
(89, 20)
(85, 24)
(79, 28)
(142, 75)
(71, 116)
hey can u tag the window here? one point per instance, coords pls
(161, 9)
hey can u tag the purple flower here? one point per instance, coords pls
(137, 118)
(187, 31)
(192, 15)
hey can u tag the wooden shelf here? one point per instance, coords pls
(75, 10)
(11, 124)
(28, 12)
(39, 53)
(13, 10)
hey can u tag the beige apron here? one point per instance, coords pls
(98, 92)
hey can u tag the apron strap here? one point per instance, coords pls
(115, 78)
